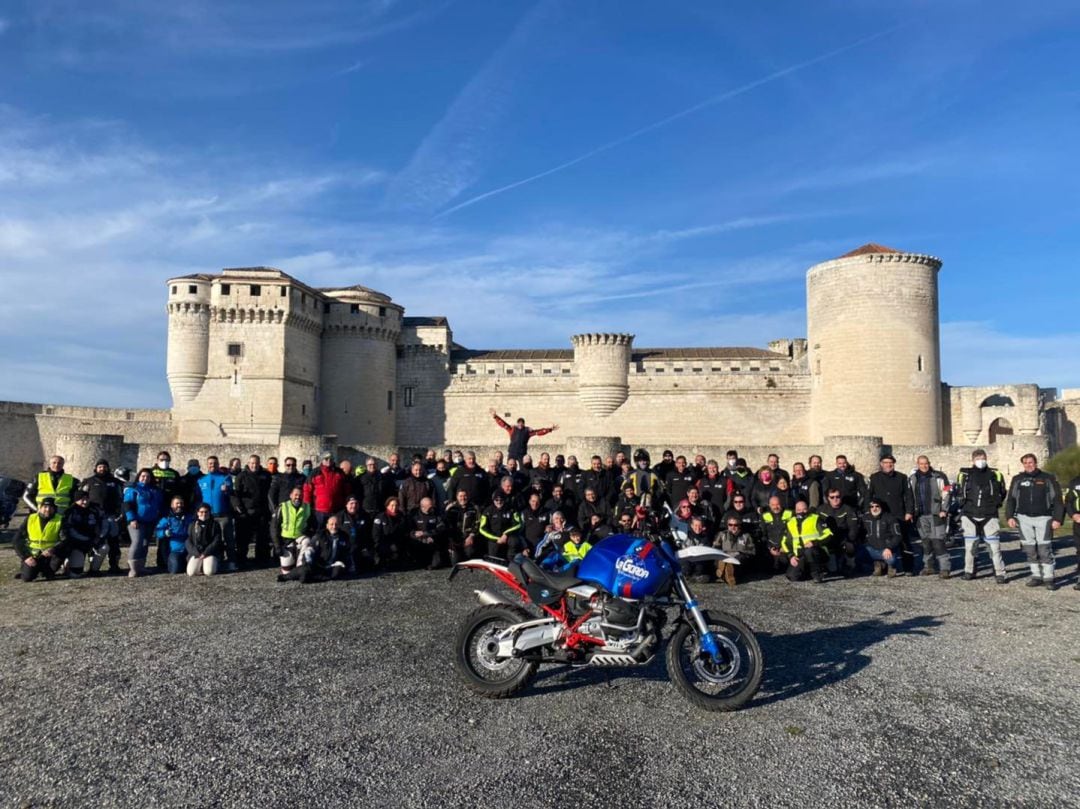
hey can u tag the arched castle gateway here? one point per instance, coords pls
(259, 360)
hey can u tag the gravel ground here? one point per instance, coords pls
(239, 691)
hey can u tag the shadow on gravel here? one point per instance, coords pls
(799, 663)
(559, 678)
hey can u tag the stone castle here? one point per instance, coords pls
(258, 360)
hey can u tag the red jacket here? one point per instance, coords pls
(327, 490)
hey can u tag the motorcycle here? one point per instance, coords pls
(610, 610)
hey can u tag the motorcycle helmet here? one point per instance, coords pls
(123, 473)
(640, 456)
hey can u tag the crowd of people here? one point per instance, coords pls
(320, 520)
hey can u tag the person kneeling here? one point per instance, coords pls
(205, 543)
(883, 539)
(323, 557)
(804, 544)
(173, 531)
(38, 543)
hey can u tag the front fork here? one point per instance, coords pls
(706, 638)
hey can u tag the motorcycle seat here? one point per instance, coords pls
(555, 581)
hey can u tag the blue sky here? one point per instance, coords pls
(533, 169)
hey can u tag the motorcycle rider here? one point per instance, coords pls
(39, 544)
(930, 496)
(291, 523)
(80, 530)
(805, 544)
(106, 494)
(979, 492)
(735, 541)
(1072, 509)
(1034, 507)
(499, 523)
(647, 486)
(884, 539)
(428, 535)
(843, 522)
(462, 519)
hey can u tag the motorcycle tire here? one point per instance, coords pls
(708, 686)
(483, 674)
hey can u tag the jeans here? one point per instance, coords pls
(176, 561)
(878, 555)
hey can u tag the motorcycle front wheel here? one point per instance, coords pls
(723, 685)
(484, 672)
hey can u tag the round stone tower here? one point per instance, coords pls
(189, 336)
(602, 362)
(874, 346)
(359, 367)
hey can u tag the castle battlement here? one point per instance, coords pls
(254, 351)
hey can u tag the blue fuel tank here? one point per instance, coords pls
(627, 566)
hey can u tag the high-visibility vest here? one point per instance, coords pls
(61, 494)
(42, 537)
(294, 520)
(811, 530)
(575, 553)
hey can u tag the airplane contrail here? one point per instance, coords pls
(708, 102)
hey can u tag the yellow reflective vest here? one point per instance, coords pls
(796, 534)
(61, 494)
(294, 520)
(42, 537)
(575, 553)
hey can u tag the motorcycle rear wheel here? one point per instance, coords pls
(483, 672)
(711, 686)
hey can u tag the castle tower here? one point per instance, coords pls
(359, 366)
(602, 362)
(874, 346)
(189, 336)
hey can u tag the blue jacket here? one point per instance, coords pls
(142, 503)
(210, 492)
(174, 528)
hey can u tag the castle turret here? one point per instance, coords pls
(359, 366)
(189, 336)
(874, 346)
(602, 363)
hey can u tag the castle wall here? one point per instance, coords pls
(972, 411)
(666, 402)
(30, 433)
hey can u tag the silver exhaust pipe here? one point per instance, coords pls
(488, 598)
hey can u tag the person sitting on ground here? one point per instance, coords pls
(597, 529)
(172, 531)
(738, 543)
(205, 543)
(38, 542)
(427, 534)
(773, 523)
(325, 556)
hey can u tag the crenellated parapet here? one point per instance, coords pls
(366, 331)
(602, 362)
